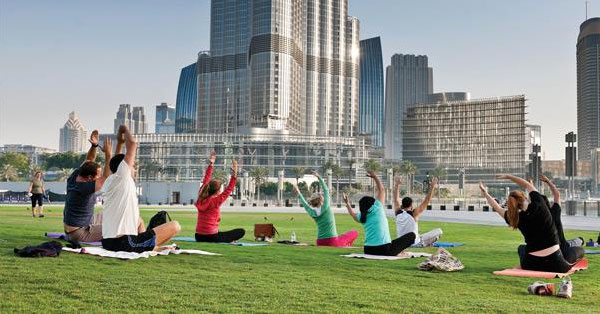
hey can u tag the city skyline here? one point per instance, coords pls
(464, 61)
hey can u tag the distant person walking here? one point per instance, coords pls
(36, 193)
(319, 210)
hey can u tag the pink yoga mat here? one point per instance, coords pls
(518, 272)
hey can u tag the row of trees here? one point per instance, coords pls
(18, 166)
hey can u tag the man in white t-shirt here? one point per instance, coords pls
(122, 227)
(407, 217)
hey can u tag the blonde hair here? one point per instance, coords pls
(316, 200)
(515, 205)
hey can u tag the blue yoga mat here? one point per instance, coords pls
(188, 239)
(592, 251)
(447, 244)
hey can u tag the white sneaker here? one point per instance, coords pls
(565, 288)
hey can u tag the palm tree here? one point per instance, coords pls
(440, 174)
(409, 169)
(8, 173)
(372, 165)
(337, 172)
(327, 165)
(219, 174)
(298, 172)
(64, 173)
(150, 167)
(259, 175)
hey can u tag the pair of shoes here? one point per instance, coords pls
(41, 216)
(541, 288)
(565, 288)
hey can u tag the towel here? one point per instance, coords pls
(98, 251)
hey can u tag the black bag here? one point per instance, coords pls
(158, 219)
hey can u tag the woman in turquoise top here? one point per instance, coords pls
(318, 209)
(377, 232)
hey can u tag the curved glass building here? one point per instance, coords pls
(371, 90)
(588, 88)
(185, 106)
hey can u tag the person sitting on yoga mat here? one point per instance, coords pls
(319, 210)
(407, 217)
(571, 255)
(373, 219)
(79, 221)
(533, 218)
(209, 207)
(122, 227)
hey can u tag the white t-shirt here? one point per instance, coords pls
(405, 223)
(121, 212)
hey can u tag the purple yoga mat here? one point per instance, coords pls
(62, 236)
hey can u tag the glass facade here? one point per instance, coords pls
(165, 119)
(371, 90)
(588, 88)
(185, 105)
(484, 137)
(409, 80)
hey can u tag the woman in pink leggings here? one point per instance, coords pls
(318, 209)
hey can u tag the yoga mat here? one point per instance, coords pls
(98, 251)
(403, 255)
(62, 236)
(592, 251)
(518, 272)
(447, 244)
(189, 239)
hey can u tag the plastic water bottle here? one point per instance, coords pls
(293, 237)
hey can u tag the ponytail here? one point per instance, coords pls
(515, 205)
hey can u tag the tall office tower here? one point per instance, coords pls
(185, 105)
(588, 88)
(134, 119)
(164, 119)
(371, 90)
(409, 80)
(273, 62)
(332, 69)
(73, 136)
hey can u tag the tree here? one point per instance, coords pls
(337, 172)
(259, 175)
(64, 173)
(327, 165)
(372, 165)
(150, 167)
(315, 187)
(19, 162)
(303, 187)
(219, 174)
(33, 169)
(269, 188)
(298, 173)
(409, 169)
(8, 173)
(63, 160)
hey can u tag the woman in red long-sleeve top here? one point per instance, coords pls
(209, 207)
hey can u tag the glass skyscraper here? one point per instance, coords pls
(279, 66)
(409, 80)
(164, 121)
(185, 105)
(588, 88)
(371, 90)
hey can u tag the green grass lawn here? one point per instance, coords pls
(276, 278)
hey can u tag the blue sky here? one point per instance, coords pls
(91, 56)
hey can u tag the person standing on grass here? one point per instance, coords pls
(36, 192)
(79, 222)
(122, 227)
(319, 210)
(209, 206)
(373, 219)
(407, 217)
(571, 255)
(541, 232)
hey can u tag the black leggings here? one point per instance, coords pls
(224, 237)
(394, 248)
(571, 254)
(554, 262)
(36, 198)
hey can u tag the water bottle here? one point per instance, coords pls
(293, 237)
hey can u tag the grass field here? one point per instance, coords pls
(276, 278)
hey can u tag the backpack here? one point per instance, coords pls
(158, 219)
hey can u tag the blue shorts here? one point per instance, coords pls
(145, 241)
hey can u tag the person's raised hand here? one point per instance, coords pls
(94, 138)
(398, 181)
(371, 174)
(234, 167)
(544, 179)
(483, 188)
(296, 189)
(433, 183)
(503, 176)
(346, 199)
(213, 157)
(315, 173)
(107, 147)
